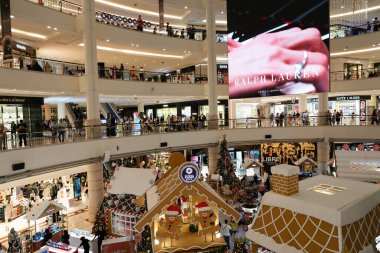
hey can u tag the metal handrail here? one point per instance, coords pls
(73, 134)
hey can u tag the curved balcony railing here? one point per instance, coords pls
(342, 30)
(44, 65)
(355, 74)
(60, 5)
(11, 140)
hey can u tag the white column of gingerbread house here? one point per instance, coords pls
(284, 179)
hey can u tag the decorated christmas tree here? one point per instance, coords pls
(145, 244)
(225, 165)
(240, 245)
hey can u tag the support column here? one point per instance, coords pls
(47, 111)
(95, 189)
(232, 113)
(140, 107)
(211, 62)
(302, 103)
(212, 160)
(323, 106)
(61, 111)
(323, 151)
(91, 66)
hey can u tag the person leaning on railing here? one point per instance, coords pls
(3, 137)
(22, 129)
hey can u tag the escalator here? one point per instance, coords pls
(70, 114)
(110, 108)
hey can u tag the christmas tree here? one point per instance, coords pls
(146, 241)
(225, 165)
(239, 246)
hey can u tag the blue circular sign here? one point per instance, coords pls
(189, 173)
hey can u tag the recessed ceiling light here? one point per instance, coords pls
(108, 40)
(222, 12)
(14, 89)
(12, 16)
(374, 45)
(163, 49)
(55, 28)
(137, 45)
(48, 27)
(132, 45)
(185, 7)
(345, 49)
(342, 7)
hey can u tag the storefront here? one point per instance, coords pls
(222, 70)
(186, 110)
(28, 109)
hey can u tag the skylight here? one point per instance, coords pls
(327, 189)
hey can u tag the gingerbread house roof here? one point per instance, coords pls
(169, 188)
(326, 215)
(304, 160)
(249, 162)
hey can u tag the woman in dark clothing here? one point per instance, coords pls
(85, 245)
(65, 237)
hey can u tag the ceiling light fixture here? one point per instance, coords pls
(55, 28)
(12, 16)
(107, 40)
(140, 11)
(34, 35)
(186, 7)
(356, 51)
(356, 12)
(133, 52)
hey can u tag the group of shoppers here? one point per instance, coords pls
(21, 129)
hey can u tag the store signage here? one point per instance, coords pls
(312, 100)
(222, 66)
(345, 98)
(188, 173)
(21, 47)
(21, 100)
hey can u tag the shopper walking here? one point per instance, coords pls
(141, 74)
(376, 24)
(338, 117)
(225, 230)
(61, 130)
(22, 130)
(3, 137)
(375, 117)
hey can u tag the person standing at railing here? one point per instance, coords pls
(3, 137)
(61, 130)
(22, 130)
(141, 74)
(121, 69)
(338, 116)
(271, 117)
(375, 117)
(376, 25)
(13, 130)
(182, 33)
(328, 116)
(132, 72)
(369, 27)
(47, 67)
(53, 130)
(139, 24)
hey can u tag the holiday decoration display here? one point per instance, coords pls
(205, 218)
(171, 225)
(182, 211)
(145, 244)
(225, 165)
(240, 245)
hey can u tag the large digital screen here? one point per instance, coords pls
(278, 47)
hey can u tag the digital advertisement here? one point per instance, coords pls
(278, 47)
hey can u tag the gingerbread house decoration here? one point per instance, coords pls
(183, 212)
(248, 163)
(322, 214)
(122, 204)
(307, 164)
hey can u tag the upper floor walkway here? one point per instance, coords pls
(44, 152)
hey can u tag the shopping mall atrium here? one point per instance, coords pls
(147, 126)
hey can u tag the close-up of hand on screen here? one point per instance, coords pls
(269, 62)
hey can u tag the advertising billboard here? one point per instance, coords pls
(278, 47)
